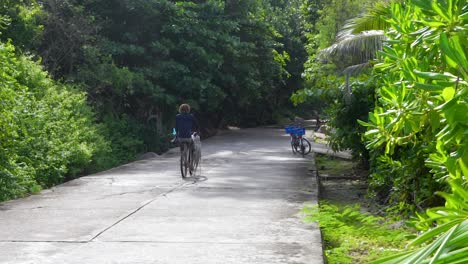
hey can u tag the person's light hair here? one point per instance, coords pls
(184, 109)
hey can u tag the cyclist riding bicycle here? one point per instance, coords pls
(186, 124)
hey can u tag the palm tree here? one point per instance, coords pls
(362, 37)
(358, 42)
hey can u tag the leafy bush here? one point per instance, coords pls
(123, 135)
(419, 124)
(19, 22)
(344, 114)
(417, 131)
(46, 129)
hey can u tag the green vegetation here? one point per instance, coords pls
(352, 236)
(46, 129)
(445, 243)
(113, 73)
(323, 87)
(406, 62)
(417, 130)
(87, 85)
(333, 166)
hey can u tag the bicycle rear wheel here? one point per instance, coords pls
(305, 146)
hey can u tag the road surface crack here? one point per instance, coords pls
(136, 210)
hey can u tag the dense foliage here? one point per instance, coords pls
(138, 59)
(420, 115)
(236, 62)
(46, 129)
(419, 125)
(416, 132)
(324, 77)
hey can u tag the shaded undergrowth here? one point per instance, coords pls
(352, 236)
(350, 233)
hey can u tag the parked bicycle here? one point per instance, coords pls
(299, 144)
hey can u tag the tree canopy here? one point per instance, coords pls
(234, 62)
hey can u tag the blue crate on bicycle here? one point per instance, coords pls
(290, 129)
(299, 131)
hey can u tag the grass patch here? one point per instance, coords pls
(351, 236)
(333, 166)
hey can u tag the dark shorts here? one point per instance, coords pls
(183, 141)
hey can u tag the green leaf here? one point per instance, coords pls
(459, 189)
(438, 9)
(459, 256)
(429, 87)
(397, 258)
(434, 232)
(442, 245)
(464, 168)
(433, 75)
(365, 124)
(463, 16)
(423, 3)
(454, 52)
(448, 93)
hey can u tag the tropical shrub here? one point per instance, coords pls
(345, 112)
(419, 122)
(418, 128)
(47, 132)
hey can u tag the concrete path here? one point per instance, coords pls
(243, 209)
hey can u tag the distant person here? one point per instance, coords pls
(186, 125)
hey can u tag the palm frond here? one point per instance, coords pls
(361, 37)
(450, 247)
(357, 69)
(372, 19)
(363, 46)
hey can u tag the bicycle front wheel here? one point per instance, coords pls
(190, 161)
(196, 157)
(293, 145)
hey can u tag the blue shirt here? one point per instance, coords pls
(185, 125)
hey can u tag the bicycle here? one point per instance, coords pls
(190, 155)
(293, 138)
(298, 142)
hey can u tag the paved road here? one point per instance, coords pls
(244, 209)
